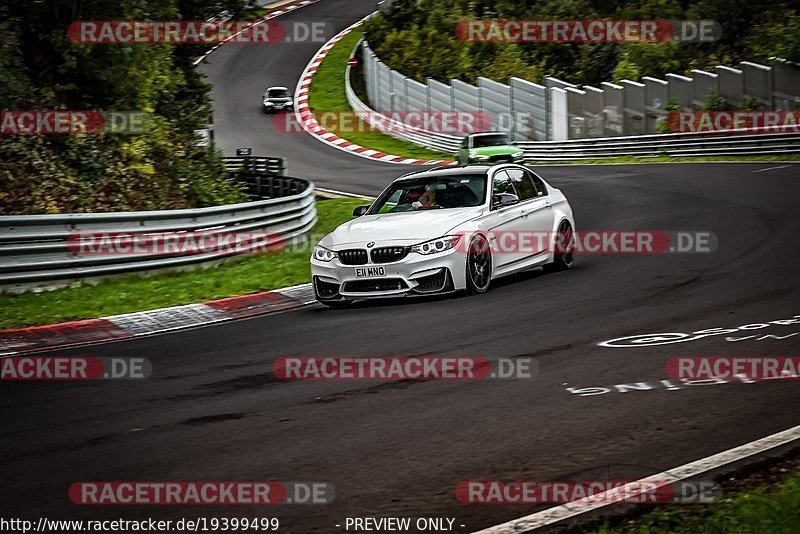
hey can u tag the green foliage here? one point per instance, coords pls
(714, 102)
(770, 508)
(751, 104)
(42, 69)
(418, 37)
(662, 127)
(672, 105)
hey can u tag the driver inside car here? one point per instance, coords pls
(427, 199)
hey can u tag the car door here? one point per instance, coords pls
(506, 222)
(535, 206)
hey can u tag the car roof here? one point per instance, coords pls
(487, 133)
(449, 171)
(277, 87)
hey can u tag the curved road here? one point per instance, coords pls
(241, 72)
(214, 411)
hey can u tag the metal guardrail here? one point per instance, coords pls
(713, 144)
(259, 164)
(556, 110)
(35, 249)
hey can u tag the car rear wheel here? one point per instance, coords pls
(479, 265)
(565, 249)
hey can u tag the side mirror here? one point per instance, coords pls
(360, 210)
(501, 200)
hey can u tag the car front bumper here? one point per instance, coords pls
(416, 274)
(497, 159)
(277, 107)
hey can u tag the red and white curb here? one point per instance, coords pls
(309, 123)
(130, 325)
(271, 15)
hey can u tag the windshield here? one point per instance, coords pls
(277, 93)
(490, 140)
(432, 192)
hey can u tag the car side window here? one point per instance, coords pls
(541, 189)
(391, 202)
(523, 184)
(502, 186)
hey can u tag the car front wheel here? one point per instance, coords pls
(479, 265)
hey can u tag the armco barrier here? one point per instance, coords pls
(256, 164)
(436, 141)
(560, 111)
(713, 144)
(34, 248)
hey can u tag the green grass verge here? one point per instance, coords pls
(772, 507)
(130, 293)
(327, 93)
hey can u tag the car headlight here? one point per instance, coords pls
(268, 103)
(436, 245)
(518, 154)
(323, 254)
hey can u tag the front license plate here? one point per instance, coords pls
(369, 272)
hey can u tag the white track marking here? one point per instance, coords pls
(576, 508)
(336, 192)
(772, 168)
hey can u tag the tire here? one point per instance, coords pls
(479, 266)
(563, 260)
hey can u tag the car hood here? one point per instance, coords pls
(409, 227)
(278, 100)
(495, 150)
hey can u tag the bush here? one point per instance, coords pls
(41, 69)
(418, 38)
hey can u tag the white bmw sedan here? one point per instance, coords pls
(445, 229)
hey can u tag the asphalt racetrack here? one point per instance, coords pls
(213, 410)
